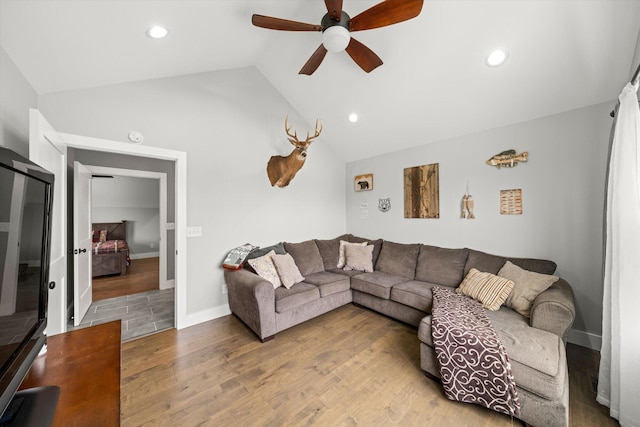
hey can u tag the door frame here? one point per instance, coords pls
(164, 226)
(180, 159)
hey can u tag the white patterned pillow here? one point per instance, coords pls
(266, 269)
(288, 270)
(358, 258)
(487, 288)
(341, 256)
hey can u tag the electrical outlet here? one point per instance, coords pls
(225, 290)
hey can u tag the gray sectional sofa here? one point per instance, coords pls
(400, 287)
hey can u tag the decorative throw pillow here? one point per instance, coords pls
(103, 236)
(266, 269)
(287, 270)
(278, 248)
(95, 236)
(527, 286)
(358, 258)
(341, 256)
(487, 288)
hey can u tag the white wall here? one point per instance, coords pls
(636, 58)
(229, 123)
(16, 97)
(136, 200)
(563, 197)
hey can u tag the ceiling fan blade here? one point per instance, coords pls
(363, 56)
(386, 13)
(334, 7)
(314, 62)
(282, 24)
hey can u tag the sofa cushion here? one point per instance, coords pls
(287, 270)
(487, 288)
(493, 263)
(358, 258)
(377, 245)
(297, 295)
(537, 357)
(306, 255)
(398, 259)
(266, 269)
(349, 273)
(441, 265)
(329, 251)
(329, 283)
(527, 286)
(414, 293)
(377, 283)
(342, 257)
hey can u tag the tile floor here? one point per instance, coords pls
(141, 314)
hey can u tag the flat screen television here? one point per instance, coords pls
(26, 196)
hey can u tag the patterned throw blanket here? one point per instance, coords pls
(111, 246)
(474, 365)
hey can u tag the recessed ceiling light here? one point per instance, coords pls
(353, 117)
(157, 32)
(496, 57)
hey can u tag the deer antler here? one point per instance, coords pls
(294, 138)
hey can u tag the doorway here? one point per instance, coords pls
(129, 205)
(174, 231)
(140, 294)
(49, 148)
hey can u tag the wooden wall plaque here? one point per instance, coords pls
(422, 192)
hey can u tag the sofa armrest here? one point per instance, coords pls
(554, 310)
(252, 299)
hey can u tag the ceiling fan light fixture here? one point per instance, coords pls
(336, 38)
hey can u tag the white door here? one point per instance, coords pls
(48, 150)
(82, 295)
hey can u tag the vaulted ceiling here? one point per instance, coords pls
(434, 83)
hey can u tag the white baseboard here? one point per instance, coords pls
(206, 315)
(168, 284)
(144, 255)
(585, 339)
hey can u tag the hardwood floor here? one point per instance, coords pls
(348, 367)
(142, 276)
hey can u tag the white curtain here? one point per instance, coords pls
(619, 377)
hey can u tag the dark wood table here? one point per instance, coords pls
(85, 364)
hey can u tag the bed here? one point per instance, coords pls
(109, 249)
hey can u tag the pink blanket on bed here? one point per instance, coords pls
(474, 365)
(111, 246)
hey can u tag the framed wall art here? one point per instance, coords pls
(364, 182)
(511, 202)
(422, 192)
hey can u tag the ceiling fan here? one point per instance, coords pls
(336, 27)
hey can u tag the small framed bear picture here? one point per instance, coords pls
(364, 182)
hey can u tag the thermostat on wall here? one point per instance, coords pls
(135, 137)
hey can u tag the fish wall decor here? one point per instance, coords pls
(508, 159)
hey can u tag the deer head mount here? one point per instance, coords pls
(281, 169)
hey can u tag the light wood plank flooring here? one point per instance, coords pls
(348, 367)
(142, 276)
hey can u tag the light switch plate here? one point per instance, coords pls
(194, 231)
